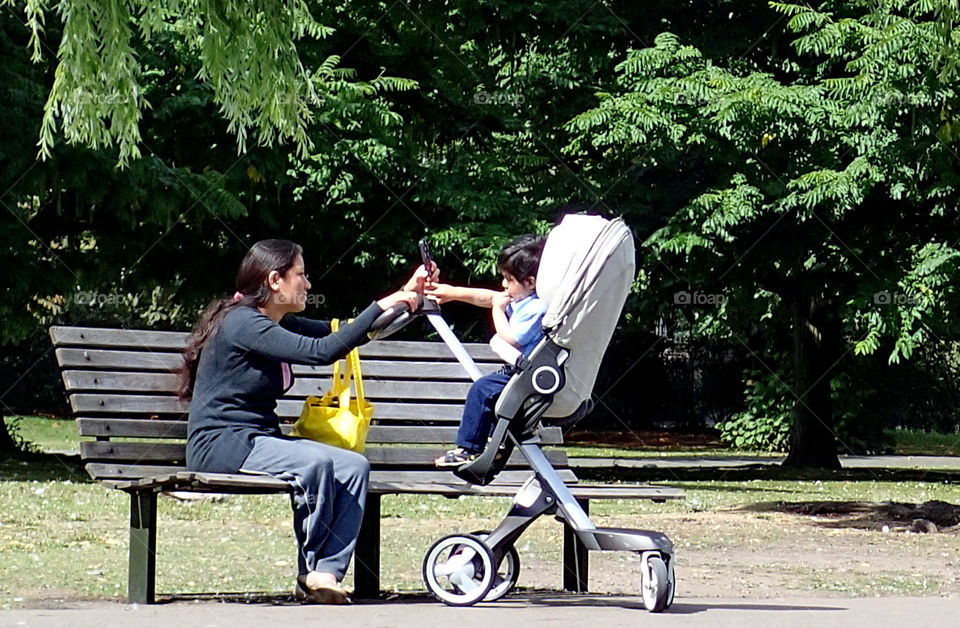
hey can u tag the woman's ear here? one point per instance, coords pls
(273, 280)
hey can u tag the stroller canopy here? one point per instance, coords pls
(585, 274)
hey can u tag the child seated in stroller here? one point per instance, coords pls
(517, 313)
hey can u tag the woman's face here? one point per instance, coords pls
(290, 290)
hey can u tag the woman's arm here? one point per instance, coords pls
(305, 326)
(252, 331)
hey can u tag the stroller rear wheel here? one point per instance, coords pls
(508, 571)
(459, 570)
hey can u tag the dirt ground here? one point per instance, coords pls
(831, 550)
(866, 551)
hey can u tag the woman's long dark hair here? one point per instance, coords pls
(262, 258)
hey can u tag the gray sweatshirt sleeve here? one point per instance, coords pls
(257, 333)
(305, 326)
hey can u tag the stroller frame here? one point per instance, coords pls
(462, 570)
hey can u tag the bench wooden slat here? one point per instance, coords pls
(165, 362)
(120, 381)
(85, 403)
(176, 453)
(156, 428)
(172, 453)
(114, 471)
(374, 388)
(175, 341)
(101, 337)
(401, 369)
(418, 349)
(382, 483)
(126, 360)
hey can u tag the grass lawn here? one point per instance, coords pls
(916, 443)
(65, 537)
(55, 434)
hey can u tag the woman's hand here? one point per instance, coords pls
(408, 297)
(421, 278)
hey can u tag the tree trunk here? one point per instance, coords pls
(816, 336)
(7, 444)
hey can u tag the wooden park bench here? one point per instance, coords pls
(121, 385)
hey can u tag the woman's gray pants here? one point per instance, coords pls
(329, 490)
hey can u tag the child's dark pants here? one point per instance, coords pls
(478, 414)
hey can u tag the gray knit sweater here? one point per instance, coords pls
(239, 379)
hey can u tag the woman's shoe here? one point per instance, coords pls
(319, 594)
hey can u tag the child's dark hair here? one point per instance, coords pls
(521, 257)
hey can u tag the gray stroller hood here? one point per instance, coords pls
(585, 275)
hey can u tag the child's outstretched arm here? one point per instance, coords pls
(444, 293)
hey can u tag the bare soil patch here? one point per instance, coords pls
(824, 550)
(929, 517)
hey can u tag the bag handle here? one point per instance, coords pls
(338, 377)
(353, 364)
(351, 371)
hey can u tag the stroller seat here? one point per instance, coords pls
(585, 275)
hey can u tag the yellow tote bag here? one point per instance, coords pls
(336, 418)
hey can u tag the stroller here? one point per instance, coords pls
(585, 275)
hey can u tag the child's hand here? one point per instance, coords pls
(501, 300)
(439, 292)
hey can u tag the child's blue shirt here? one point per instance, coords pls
(525, 316)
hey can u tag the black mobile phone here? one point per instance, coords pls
(425, 256)
(429, 304)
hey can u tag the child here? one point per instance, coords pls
(517, 312)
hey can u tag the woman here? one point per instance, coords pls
(237, 366)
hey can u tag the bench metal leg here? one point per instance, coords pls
(366, 561)
(575, 557)
(143, 547)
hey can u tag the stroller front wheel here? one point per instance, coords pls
(655, 584)
(459, 570)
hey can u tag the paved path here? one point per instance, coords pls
(555, 611)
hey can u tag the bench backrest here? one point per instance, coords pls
(121, 386)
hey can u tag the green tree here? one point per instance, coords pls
(248, 57)
(819, 194)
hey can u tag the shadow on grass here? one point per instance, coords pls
(897, 516)
(41, 467)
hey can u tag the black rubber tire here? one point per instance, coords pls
(654, 587)
(481, 565)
